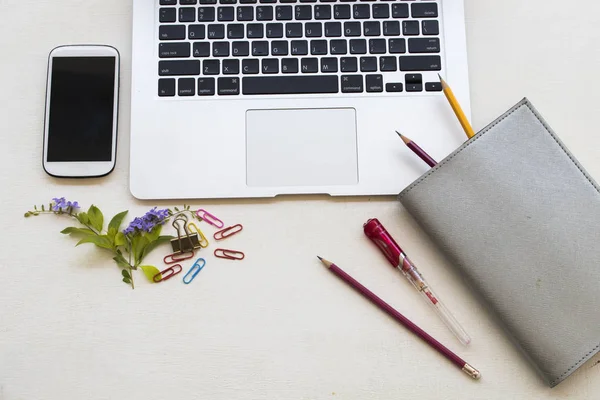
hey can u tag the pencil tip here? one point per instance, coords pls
(325, 262)
(443, 82)
(320, 258)
(404, 138)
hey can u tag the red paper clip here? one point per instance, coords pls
(230, 231)
(174, 269)
(177, 257)
(229, 254)
(208, 217)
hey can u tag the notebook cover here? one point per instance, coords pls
(519, 217)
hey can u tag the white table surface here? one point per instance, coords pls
(277, 325)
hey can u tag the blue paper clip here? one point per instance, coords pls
(196, 268)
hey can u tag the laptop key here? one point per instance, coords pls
(393, 87)
(309, 65)
(374, 83)
(231, 67)
(313, 29)
(254, 31)
(247, 1)
(186, 86)
(250, 66)
(206, 14)
(289, 65)
(368, 64)
(424, 45)
(228, 86)
(220, 49)
(377, 46)
(352, 84)
(338, 46)
(245, 13)
(260, 48)
(171, 32)
(414, 87)
(284, 13)
(279, 48)
(211, 67)
(410, 28)
(420, 63)
(400, 10)
(240, 49)
(413, 78)
(166, 87)
(173, 50)
(381, 11)
(225, 14)
(430, 27)
(433, 86)
(303, 12)
(349, 64)
(187, 2)
(341, 11)
(333, 29)
(397, 46)
(167, 15)
(323, 11)
(235, 31)
(358, 46)
(290, 84)
(196, 32)
(270, 66)
(187, 14)
(227, 1)
(388, 64)
(424, 10)
(275, 30)
(391, 28)
(299, 47)
(269, 1)
(293, 30)
(201, 49)
(216, 31)
(168, 2)
(352, 28)
(318, 47)
(179, 67)
(361, 11)
(264, 13)
(372, 28)
(329, 64)
(206, 86)
(208, 1)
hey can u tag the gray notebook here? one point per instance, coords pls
(519, 217)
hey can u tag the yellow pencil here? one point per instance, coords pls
(462, 118)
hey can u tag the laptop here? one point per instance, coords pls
(260, 98)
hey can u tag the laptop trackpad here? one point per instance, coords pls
(315, 147)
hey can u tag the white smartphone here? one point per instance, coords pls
(82, 102)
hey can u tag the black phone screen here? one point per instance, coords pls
(81, 115)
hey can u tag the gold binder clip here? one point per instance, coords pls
(186, 241)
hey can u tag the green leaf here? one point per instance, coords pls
(120, 239)
(150, 272)
(138, 245)
(127, 281)
(96, 218)
(121, 262)
(27, 214)
(43, 208)
(115, 222)
(126, 274)
(35, 208)
(176, 209)
(100, 241)
(152, 236)
(154, 244)
(83, 218)
(81, 231)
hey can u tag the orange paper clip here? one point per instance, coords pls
(173, 269)
(209, 218)
(229, 254)
(230, 231)
(177, 257)
(203, 240)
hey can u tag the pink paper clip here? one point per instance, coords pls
(209, 218)
(177, 257)
(173, 269)
(229, 254)
(227, 232)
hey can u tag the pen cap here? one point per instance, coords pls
(382, 239)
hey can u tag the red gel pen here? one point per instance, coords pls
(396, 256)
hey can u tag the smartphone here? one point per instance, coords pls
(82, 102)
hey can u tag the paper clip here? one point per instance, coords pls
(196, 268)
(187, 241)
(230, 231)
(177, 257)
(211, 219)
(203, 240)
(229, 254)
(174, 269)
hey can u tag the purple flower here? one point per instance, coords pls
(146, 223)
(60, 204)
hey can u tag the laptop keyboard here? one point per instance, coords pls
(212, 48)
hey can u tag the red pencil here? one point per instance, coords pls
(418, 150)
(459, 362)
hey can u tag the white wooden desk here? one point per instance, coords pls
(277, 325)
